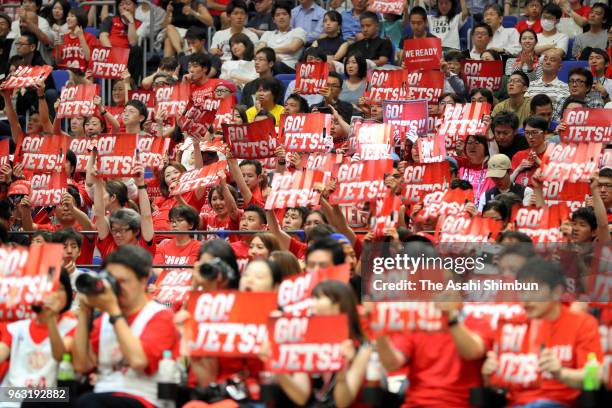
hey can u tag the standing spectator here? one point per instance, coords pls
(597, 36)
(351, 27)
(534, 11)
(549, 84)
(580, 81)
(518, 83)
(527, 161)
(448, 22)
(378, 50)
(550, 37)
(286, 42)
(75, 49)
(120, 32)
(309, 17)
(505, 126)
(504, 40)
(527, 60)
(481, 37)
(262, 19)
(30, 21)
(264, 62)
(179, 17)
(237, 14)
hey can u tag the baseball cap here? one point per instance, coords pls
(499, 164)
(340, 238)
(20, 187)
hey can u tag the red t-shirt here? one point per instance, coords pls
(169, 253)
(218, 12)
(89, 241)
(212, 222)
(257, 199)
(438, 376)
(201, 93)
(70, 54)
(573, 336)
(117, 112)
(524, 177)
(161, 216)
(158, 335)
(583, 11)
(117, 31)
(298, 248)
(523, 25)
(241, 249)
(107, 245)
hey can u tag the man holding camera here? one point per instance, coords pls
(127, 341)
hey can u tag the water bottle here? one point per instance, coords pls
(65, 370)
(374, 371)
(590, 382)
(169, 376)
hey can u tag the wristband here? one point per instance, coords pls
(143, 187)
(103, 112)
(114, 318)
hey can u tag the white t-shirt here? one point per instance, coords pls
(241, 68)
(559, 40)
(447, 31)
(221, 40)
(275, 39)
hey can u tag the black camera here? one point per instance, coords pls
(210, 270)
(91, 283)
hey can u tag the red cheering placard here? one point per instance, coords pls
(386, 84)
(145, 96)
(307, 344)
(585, 125)
(410, 115)
(421, 179)
(311, 77)
(425, 85)
(373, 141)
(196, 121)
(255, 140)
(28, 274)
(459, 228)
(295, 189)
(227, 324)
(108, 62)
(173, 99)
(459, 121)
(422, 54)
(387, 6)
(225, 111)
(82, 147)
(571, 162)
(26, 76)
(199, 178)
(4, 151)
(77, 100)
(574, 195)
(42, 154)
(152, 150)
(173, 286)
(116, 155)
(483, 74)
(47, 189)
(431, 149)
(306, 132)
(445, 202)
(361, 181)
(541, 224)
(400, 317)
(385, 214)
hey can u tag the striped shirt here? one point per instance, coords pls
(556, 90)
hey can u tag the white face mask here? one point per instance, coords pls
(548, 25)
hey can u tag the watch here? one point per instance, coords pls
(454, 320)
(113, 319)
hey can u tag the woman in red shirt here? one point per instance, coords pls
(75, 49)
(183, 249)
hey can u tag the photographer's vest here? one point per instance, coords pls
(32, 364)
(114, 373)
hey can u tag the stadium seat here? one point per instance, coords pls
(510, 21)
(464, 33)
(285, 79)
(60, 77)
(566, 66)
(93, 31)
(568, 54)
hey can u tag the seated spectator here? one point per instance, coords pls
(526, 162)
(241, 68)
(356, 71)
(599, 60)
(417, 20)
(449, 21)
(453, 82)
(179, 17)
(351, 27)
(267, 94)
(576, 10)
(504, 126)
(482, 95)
(203, 86)
(498, 170)
(6, 42)
(312, 54)
(121, 32)
(331, 94)
(580, 81)
(331, 42)
(517, 102)
(196, 44)
(30, 21)
(549, 84)
(57, 16)
(309, 17)
(261, 20)
(481, 37)
(504, 40)
(237, 14)
(392, 27)
(597, 36)
(286, 42)
(550, 37)
(541, 105)
(296, 104)
(378, 50)
(143, 14)
(265, 58)
(72, 241)
(527, 60)
(534, 12)
(492, 55)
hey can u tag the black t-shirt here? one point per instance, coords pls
(410, 37)
(373, 48)
(519, 143)
(261, 21)
(330, 45)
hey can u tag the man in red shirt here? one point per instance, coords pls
(534, 12)
(525, 162)
(253, 219)
(202, 86)
(566, 338)
(248, 176)
(128, 340)
(120, 32)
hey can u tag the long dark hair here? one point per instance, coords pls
(163, 186)
(343, 295)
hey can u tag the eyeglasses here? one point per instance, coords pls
(334, 86)
(517, 81)
(481, 34)
(607, 186)
(531, 133)
(119, 231)
(17, 44)
(577, 82)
